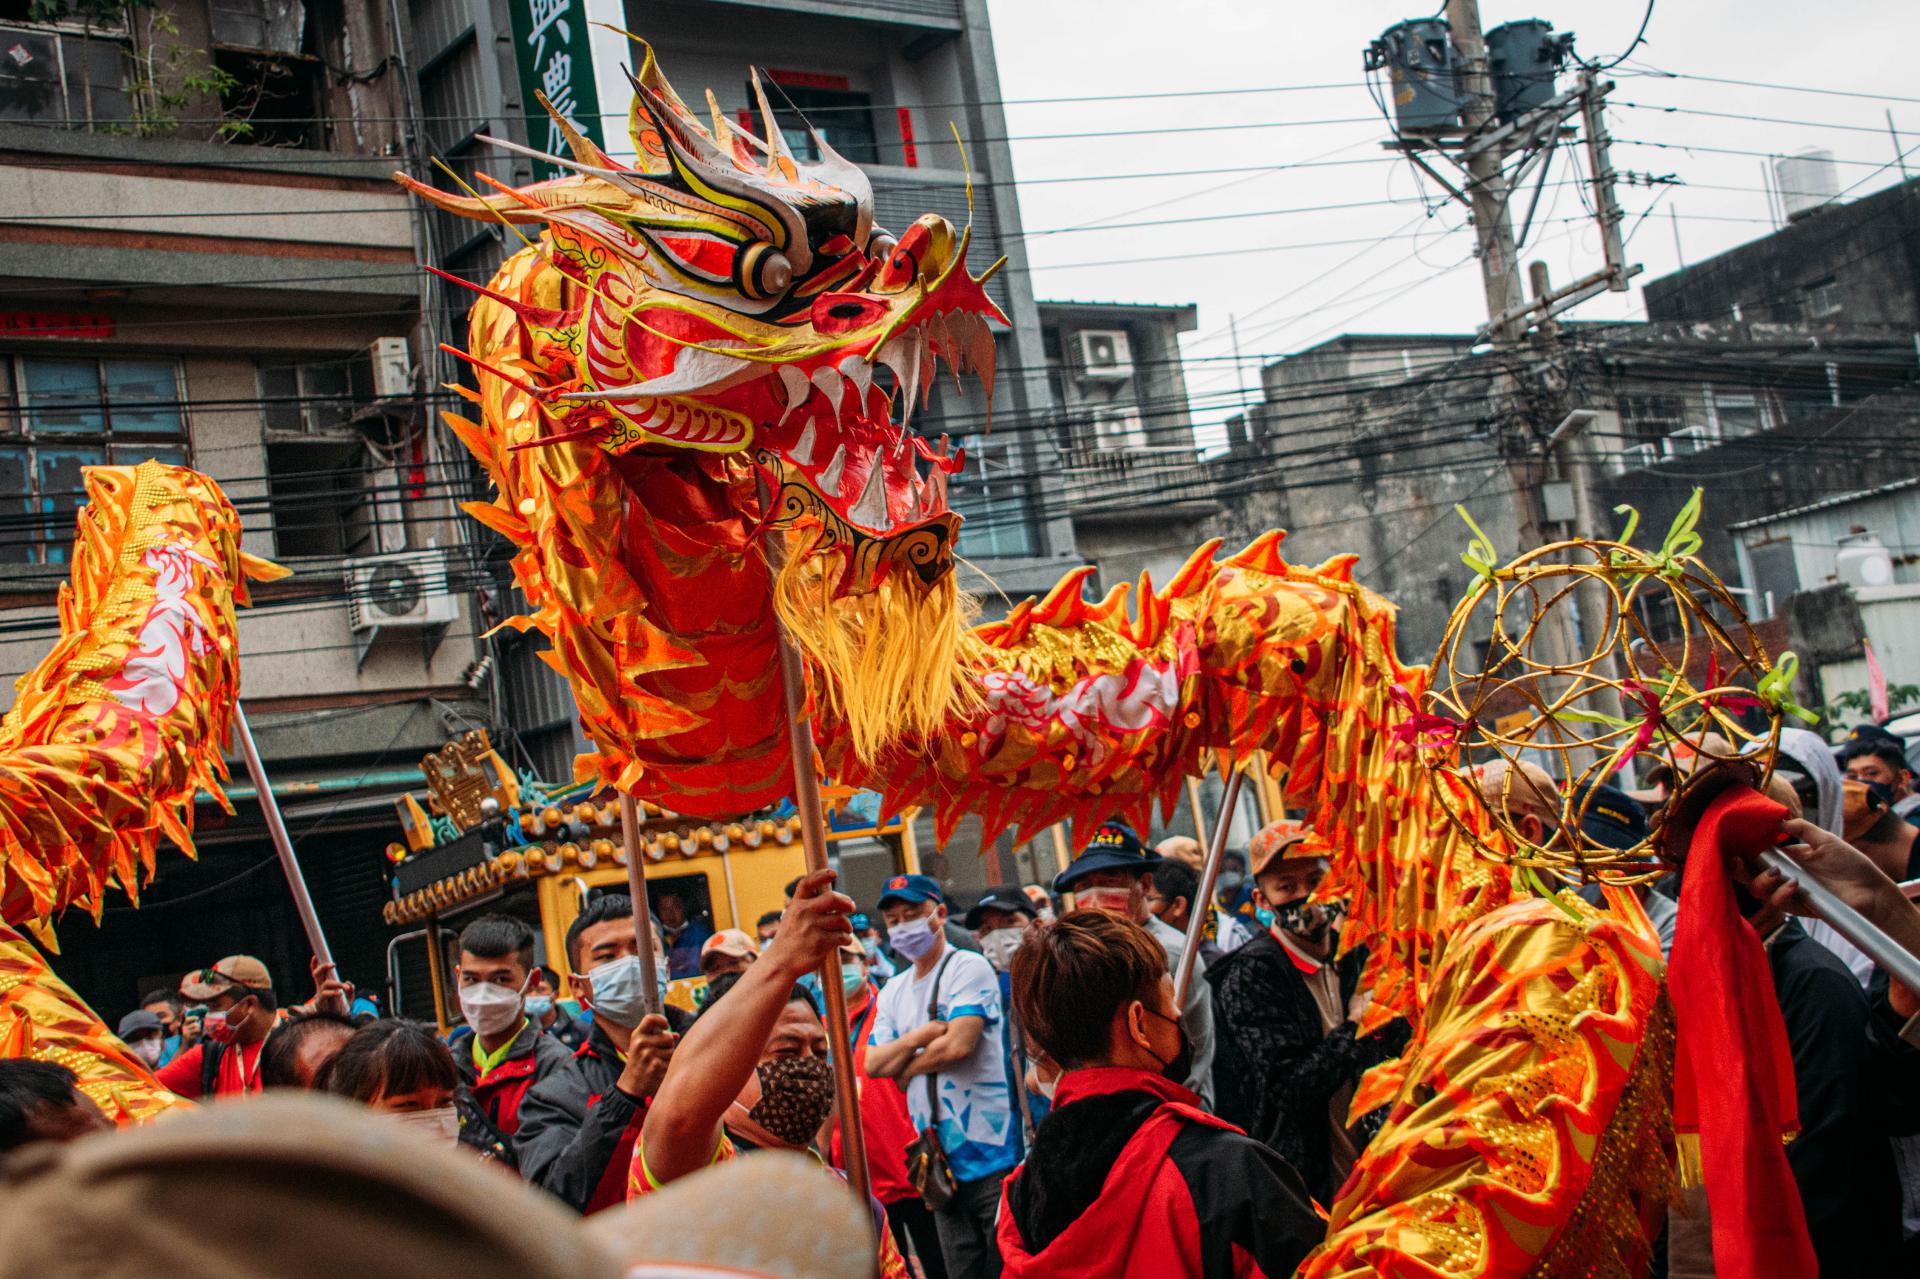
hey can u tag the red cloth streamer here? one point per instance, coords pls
(1423, 729)
(1733, 1074)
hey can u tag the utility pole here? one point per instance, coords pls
(1487, 193)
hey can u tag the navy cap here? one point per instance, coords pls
(1862, 736)
(1113, 847)
(1609, 816)
(1008, 897)
(912, 888)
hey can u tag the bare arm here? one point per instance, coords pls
(889, 1061)
(716, 1058)
(953, 1045)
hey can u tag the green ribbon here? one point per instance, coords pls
(1479, 555)
(1775, 688)
(1682, 540)
(1617, 558)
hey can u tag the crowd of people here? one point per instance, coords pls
(1036, 1096)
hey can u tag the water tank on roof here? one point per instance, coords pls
(1423, 80)
(1807, 181)
(1524, 58)
(1863, 561)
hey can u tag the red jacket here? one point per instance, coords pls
(883, 1117)
(531, 1057)
(1129, 1177)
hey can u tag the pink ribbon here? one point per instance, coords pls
(1423, 730)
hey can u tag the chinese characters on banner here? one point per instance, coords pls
(553, 50)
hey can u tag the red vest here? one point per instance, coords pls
(500, 1091)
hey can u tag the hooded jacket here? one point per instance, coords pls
(1128, 1177)
(1815, 757)
(531, 1058)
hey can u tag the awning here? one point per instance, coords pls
(311, 782)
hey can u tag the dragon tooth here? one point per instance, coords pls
(694, 370)
(831, 385)
(857, 371)
(803, 451)
(831, 478)
(901, 354)
(794, 386)
(871, 507)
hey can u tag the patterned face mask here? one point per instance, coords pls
(796, 1094)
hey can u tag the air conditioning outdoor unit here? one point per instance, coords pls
(401, 592)
(1104, 353)
(1688, 441)
(392, 368)
(1637, 458)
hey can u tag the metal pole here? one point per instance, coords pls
(282, 844)
(1193, 801)
(1197, 921)
(642, 909)
(1899, 154)
(1901, 964)
(813, 838)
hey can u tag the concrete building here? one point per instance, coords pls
(203, 260)
(1135, 484)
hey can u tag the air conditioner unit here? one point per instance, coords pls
(401, 592)
(392, 368)
(1637, 458)
(1104, 354)
(1688, 441)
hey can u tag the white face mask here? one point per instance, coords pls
(490, 1009)
(913, 938)
(998, 946)
(442, 1122)
(149, 1050)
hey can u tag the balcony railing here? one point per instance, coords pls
(1101, 480)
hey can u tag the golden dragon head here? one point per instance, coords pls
(719, 294)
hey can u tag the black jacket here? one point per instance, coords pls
(1275, 1071)
(1842, 1160)
(577, 1128)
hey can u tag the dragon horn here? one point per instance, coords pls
(582, 147)
(779, 156)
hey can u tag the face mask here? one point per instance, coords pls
(442, 1122)
(1228, 882)
(1309, 923)
(149, 1050)
(796, 1094)
(617, 992)
(913, 939)
(218, 1028)
(1045, 1087)
(1264, 915)
(1181, 1064)
(1114, 901)
(660, 979)
(538, 1006)
(490, 1009)
(869, 945)
(853, 978)
(1000, 944)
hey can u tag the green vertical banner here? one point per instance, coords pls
(553, 49)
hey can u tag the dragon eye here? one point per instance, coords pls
(880, 247)
(765, 272)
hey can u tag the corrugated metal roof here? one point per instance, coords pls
(1825, 504)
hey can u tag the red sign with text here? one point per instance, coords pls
(54, 324)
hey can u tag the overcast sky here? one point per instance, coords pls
(1404, 263)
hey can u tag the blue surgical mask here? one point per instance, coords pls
(853, 978)
(1264, 915)
(617, 992)
(538, 1006)
(660, 979)
(913, 938)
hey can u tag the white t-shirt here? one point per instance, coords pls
(977, 1128)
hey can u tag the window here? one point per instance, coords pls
(1823, 299)
(991, 496)
(313, 398)
(844, 118)
(60, 414)
(53, 76)
(1648, 419)
(1736, 414)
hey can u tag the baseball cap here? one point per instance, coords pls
(1609, 816)
(729, 941)
(1008, 897)
(234, 970)
(1277, 841)
(1519, 786)
(139, 1022)
(912, 888)
(1113, 847)
(1182, 848)
(1861, 735)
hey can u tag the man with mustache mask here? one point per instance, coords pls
(578, 1127)
(1290, 1049)
(754, 1072)
(1112, 873)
